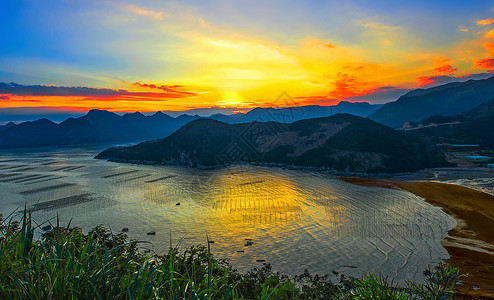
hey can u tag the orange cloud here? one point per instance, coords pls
(490, 48)
(485, 63)
(319, 43)
(204, 23)
(442, 68)
(490, 34)
(346, 86)
(146, 12)
(446, 69)
(426, 80)
(464, 29)
(485, 22)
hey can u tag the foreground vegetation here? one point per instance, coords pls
(67, 264)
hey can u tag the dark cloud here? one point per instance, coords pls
(4, 97)
(167, 88)
(50, 90)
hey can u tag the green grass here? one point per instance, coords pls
(67, 264)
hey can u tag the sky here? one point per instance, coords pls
(72, 56)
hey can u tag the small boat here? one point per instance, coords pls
(249, 243)
(46, 228)
(211, 242)
(151, 233)
(260, 260)
(177, 204)
(240, 251)
(125, 229)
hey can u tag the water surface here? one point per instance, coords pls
(297, 220)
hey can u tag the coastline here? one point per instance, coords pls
(471, 243)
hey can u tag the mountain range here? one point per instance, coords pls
(296, 113)
(446, 100)
(100, 126)
(341, 142)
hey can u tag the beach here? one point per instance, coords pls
(471, 243)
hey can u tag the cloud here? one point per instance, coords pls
(4, 97)
(317, 42)
(490, 48)
(464, 29)
(50, 90)
(485, 22)
(435, 80)
(485, 63)
(167, 88)
(441, 74)
(204, 23)
(446, 69)
(166, 91)
(490, 34)
(346, 86)
(158, 15)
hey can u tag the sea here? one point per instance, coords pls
(293, 220)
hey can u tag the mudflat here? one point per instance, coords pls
(471, 243)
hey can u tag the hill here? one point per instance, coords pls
(472, 127)
(98, 126)
(449, 99)
(341, 142)
(7, 126)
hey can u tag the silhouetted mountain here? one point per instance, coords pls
(6, 126)
(449, 99)
(342, 142)
(296, 113)
(472, 127)
(98, 126)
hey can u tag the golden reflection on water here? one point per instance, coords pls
(238, 201)
(253, 200)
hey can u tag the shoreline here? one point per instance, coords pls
(471, 243)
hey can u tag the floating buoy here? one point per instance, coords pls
(177, 204)
(125, 229)
(151, 233)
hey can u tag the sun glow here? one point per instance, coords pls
(230, 99)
